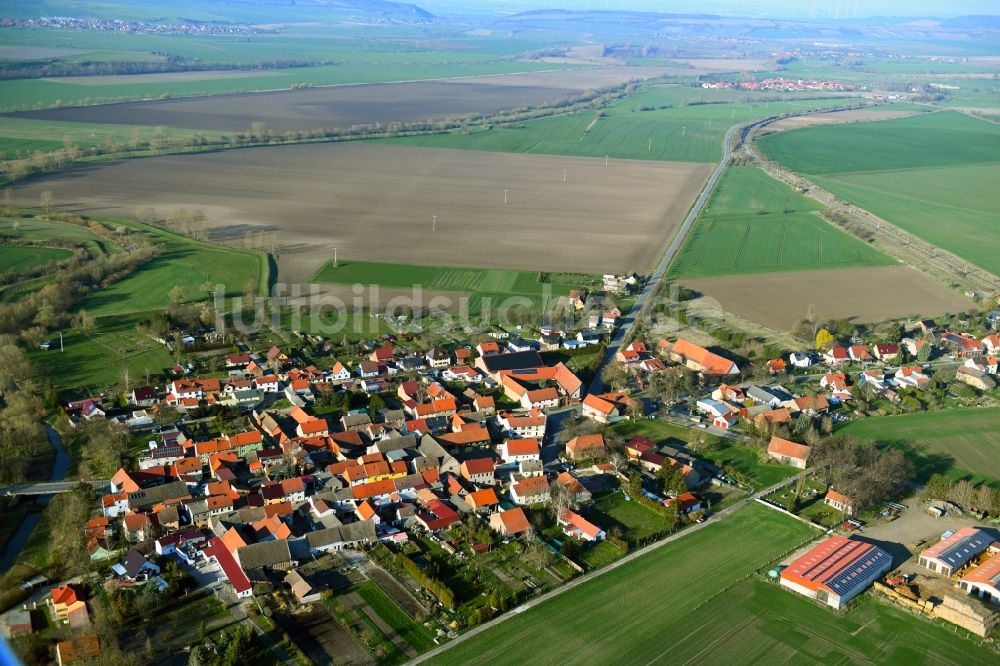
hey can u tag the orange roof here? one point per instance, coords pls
(580, 523)
(834, 496)
(314, 427)
(712, 363)
(470, 435)
(784, 447)
(477, 466)
(64, 595)
(481, 498)
(283, 508)
(601, 405)
(373, 489)
(522, 447)
(515, 521)
(366, 510)
(585, 442)
(534, 485)
(987, 573)
(232, 540)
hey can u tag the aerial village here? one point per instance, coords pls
(464, 480)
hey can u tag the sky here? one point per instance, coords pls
(783, 8)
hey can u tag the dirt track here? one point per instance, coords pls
(343, 106)
(779, 300)
(377, 203)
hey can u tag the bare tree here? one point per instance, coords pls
(45, 199)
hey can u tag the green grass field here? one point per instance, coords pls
(94, 361)
(21, 257)
(940, 139)
(968, 439)
(634, 520)
(755, 224)
(633, 613)
(186, 263)
(756, 622)
(495, 284)
(933, 175)
(689, 131)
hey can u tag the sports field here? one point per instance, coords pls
(967, 438)
(933, 175)
(756, 224)
(633, 613)
(688, 130)
(20, 257)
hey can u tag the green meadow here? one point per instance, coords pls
(960, 442)
(20, 257)
(754, 224)
(933, 175)
(689, 129)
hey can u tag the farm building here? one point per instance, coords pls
(955, 550)
(836, 570)
(984, 580)
(838, 501)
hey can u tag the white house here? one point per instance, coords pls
(516, 450)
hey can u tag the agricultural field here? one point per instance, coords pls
(916, 173)
(21, 257)
(478, 284)
(344, 105)
(378, 203)
(756, 224)
(958, 441)
(660, 590)
(840, 117)
(25, 136)
(867, 294)
(758, 622)
(689, 127)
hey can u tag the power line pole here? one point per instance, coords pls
(435, 223)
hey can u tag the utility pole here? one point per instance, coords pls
(334, 257)
(505, 197)
(435, 223)
(61, 348)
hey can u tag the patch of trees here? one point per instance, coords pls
(102, 447)
(22, 413)
(433, 585)
(981, 498)
(172, 63)
(869, 475)
(33, 315)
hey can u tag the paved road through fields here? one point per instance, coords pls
(644, 302)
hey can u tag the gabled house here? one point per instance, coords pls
(478, 470)
(836, 355)
(584, 447)
(839, 502)
(886, 352)
(512, 522)
(697, 358)
(534, 490)
(788, 452)
(516, 450)
(576, 526)
(859, 354)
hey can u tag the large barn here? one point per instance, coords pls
(836, 570)
(955, 551)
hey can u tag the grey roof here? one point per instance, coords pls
(396, 443)
(363, 530)
(353, 420)
(157, 494)
(963, 550)
(264, 554)
(512, 361)
(857, 573)
(133, 563)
